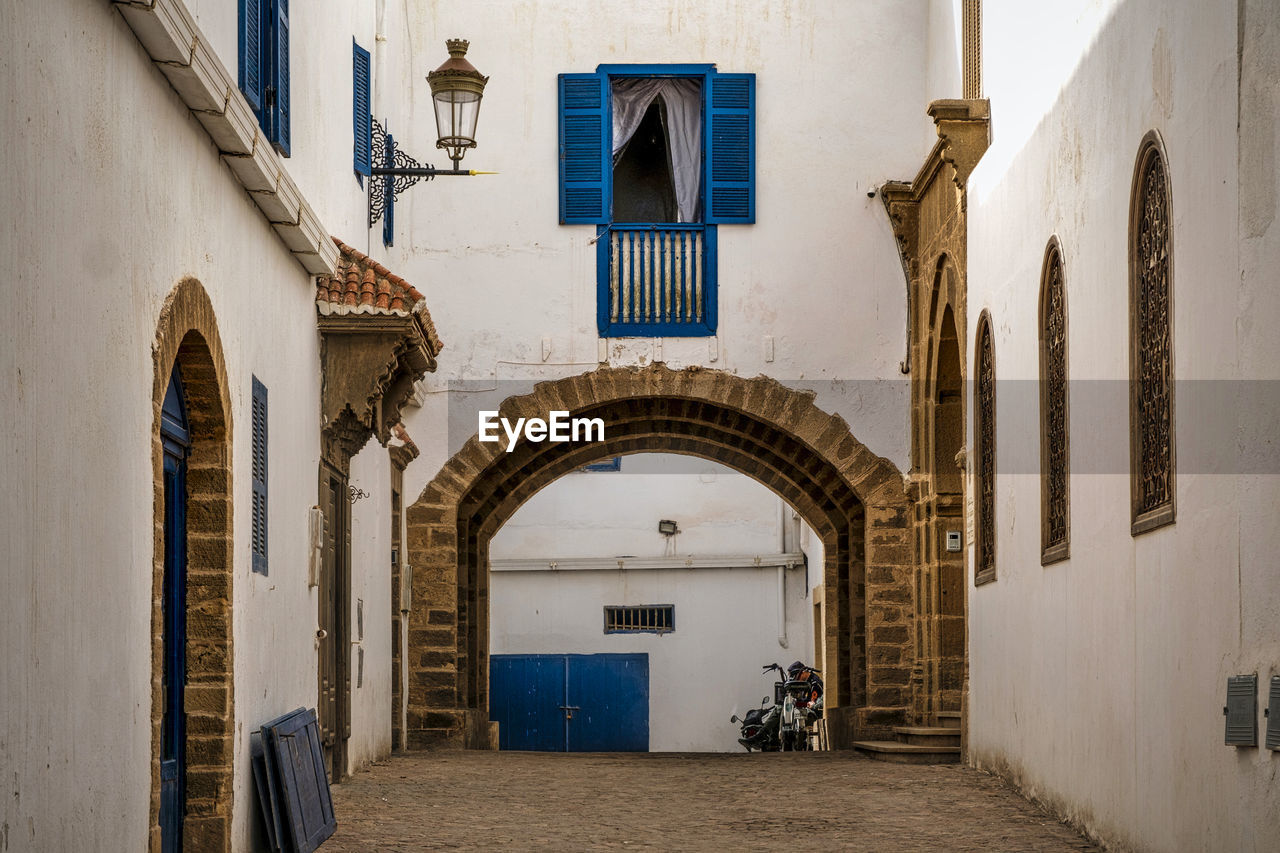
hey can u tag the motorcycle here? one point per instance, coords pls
(781, 724)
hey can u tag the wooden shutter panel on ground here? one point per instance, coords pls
(250, 43)
(731, 148)
(360, 110)
(586, 167)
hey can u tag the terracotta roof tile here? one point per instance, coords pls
(364, 286)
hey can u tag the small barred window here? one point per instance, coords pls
(644, 619)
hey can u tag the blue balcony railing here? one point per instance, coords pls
(656, 280)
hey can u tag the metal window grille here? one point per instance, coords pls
(1053, 385)
(1152, 389)
(986, 451)
(641, 619)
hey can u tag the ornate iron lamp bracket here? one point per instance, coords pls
(394, 172)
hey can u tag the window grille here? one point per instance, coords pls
(259, 477)
(985, 431)
(642, 619)
(1054, 424)
(1151, 455)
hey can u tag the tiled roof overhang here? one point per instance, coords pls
(377, 340)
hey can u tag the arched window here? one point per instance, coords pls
(1055, 469)
(984, 428)
(1151, 445)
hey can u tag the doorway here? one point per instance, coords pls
(334, 635)
(570, 703)
(176, 440)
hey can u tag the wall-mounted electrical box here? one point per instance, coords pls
(954, 541)
(1241, 710)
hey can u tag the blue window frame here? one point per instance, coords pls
(263, 67)
(361, 115)
(612, 464)
(657, 278)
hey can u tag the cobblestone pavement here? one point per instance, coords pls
(809, 801)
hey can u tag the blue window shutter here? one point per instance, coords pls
(281, 119)
(731, 148)
(250, 65)
(586, 169)
(360, 110)
(259, 477)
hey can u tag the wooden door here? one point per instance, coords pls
(175, 439)
(334, 703)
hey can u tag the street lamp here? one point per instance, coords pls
(456, 90)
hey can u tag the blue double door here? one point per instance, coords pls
(570, 703)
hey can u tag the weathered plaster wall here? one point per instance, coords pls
(606, 513)
(1097, 683)
(839, 91)
(114, 194)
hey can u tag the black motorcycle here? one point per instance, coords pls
(781, 724)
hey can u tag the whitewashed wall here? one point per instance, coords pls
(607, 513)
(705, 670)
(114, 193)
(840, 93)
(727, 618)
(1098, 683)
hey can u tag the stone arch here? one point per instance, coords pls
(187, 339)
(855, 500)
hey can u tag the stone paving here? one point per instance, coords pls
(664, 801)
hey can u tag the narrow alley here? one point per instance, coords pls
(480, 800)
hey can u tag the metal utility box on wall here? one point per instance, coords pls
(1273, 714)
(1242, 710)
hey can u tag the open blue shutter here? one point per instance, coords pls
(281, 123)
(360, 112)
(250, 67)
(731, 148)
(586, 169)
(259, 477)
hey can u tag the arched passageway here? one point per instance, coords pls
(854, 500)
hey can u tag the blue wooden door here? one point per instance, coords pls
(570, 703)
(175, 439)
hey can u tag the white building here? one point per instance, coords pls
(732, 583)
(1118, 157)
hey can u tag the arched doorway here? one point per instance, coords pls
(854, 500)
(192, 713)
(941, 581)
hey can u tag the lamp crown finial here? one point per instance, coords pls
(457, 47)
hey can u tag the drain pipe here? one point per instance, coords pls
(782, 606)
(782, 574)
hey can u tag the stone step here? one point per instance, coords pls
(928, 735)
(950, 719)
(907, 753)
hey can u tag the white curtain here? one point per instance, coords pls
(683, 99)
